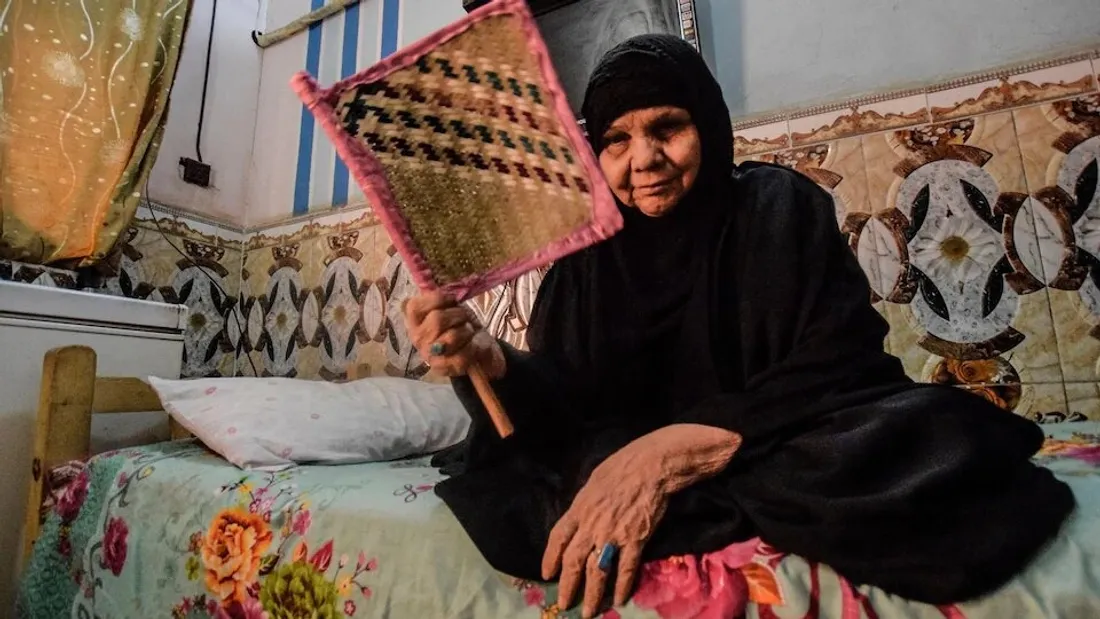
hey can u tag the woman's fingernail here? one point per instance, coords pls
(437, 349)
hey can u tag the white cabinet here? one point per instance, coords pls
(130, 337)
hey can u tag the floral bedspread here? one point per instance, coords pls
(171, 530)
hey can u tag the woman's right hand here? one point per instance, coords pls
(448, 337)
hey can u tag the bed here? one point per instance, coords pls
(172, 530)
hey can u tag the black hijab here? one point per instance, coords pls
(615, 313)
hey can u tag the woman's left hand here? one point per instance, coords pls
(621, 504)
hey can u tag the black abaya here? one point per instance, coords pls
(743, 309)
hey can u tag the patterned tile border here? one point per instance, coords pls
(868, 115)
(972, 95)
(999, 90)
(761, 135)
(182, 223)
(38, 275)
(305, 226)
(316, 214)
(190, 216)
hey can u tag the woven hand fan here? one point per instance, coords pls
(468, 151)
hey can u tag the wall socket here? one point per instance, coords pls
(195, 172)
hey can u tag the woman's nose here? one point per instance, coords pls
(646, 155)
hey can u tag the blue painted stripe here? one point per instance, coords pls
(391, 16)
(305, 135)
(348, 59)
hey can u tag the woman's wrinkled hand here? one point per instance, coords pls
(622, 502)
(449, 338)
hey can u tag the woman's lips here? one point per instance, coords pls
(653, 188)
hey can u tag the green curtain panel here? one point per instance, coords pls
(84, 89)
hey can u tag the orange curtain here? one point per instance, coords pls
(84, 89)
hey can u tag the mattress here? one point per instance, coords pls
(171, 530)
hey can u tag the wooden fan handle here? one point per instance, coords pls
(491, 401)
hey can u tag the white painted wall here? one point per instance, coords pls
(228, 129)
(771, 54)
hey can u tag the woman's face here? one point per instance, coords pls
(651, 158)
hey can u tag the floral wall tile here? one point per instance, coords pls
(165, 257)
(1060, 144)
(324, 300)
(760, 136)
(837, 167)
(345, 267)
(255, 265)
(946, 201)
(144, 262)
(375, 302)
(272, 280)
(878, 114)
(1024, 352)
(211, 296)
(1045, 82)
(931, 359)
(1084, 401)
(396, 285)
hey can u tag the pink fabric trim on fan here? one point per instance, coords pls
(369, 172)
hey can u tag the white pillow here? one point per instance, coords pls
(276, 422)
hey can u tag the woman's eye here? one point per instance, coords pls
(666, 131)
(616, 138)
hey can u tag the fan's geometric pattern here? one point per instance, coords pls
(468, 152)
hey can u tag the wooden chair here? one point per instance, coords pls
(70, 394)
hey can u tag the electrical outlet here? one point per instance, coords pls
(195, 172)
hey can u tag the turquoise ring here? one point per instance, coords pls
(607, 557)
(437, 349)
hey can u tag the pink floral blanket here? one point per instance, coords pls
(172, 530)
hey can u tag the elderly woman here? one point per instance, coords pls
(716, 372)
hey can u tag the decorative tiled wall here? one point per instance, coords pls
(310, 298)
(323, 295)
(168, 256)
(973, 207)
